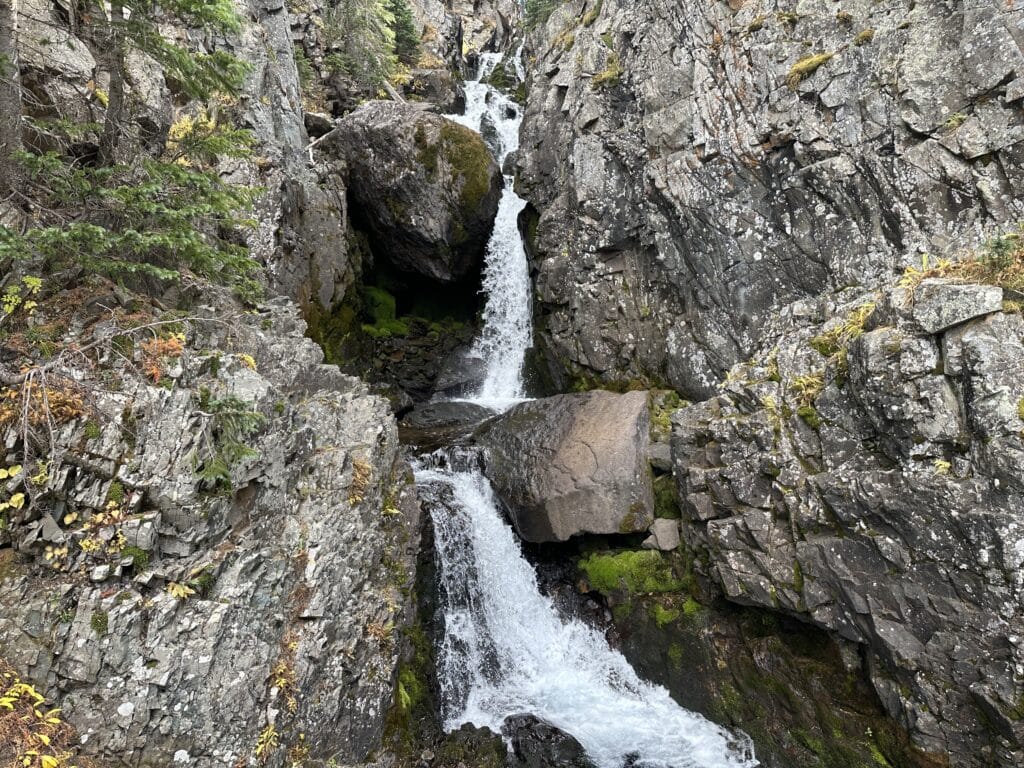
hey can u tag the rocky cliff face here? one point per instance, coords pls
(213, 562)
(862, 475)
(697, 167)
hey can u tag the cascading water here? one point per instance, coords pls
(507, 651)
(507, 327)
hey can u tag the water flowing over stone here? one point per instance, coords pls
(507, 319)
(506, 651)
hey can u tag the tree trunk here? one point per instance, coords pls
(10, 96)
(112, 124)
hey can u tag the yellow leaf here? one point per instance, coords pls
(4, 474)
(43, 738)
(49, 761)
(17, 500)
(14, 471)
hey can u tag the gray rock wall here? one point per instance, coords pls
(869, 484)
(298, 569)
(690, 182)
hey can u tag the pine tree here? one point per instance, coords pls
(153, 217)
(407, 39)
(10, 98)
(361, 32)
(133, 25)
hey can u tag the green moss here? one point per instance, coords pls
(378, 304)
(662, 408)
(203, 582)
(664, 615)
(824, 345)
(91, 430)
(633, 519)
(666, 498)
(806, 67)
(115, 494)
(140, 558)
(591, 16)
(635, 571)
(675, 654)
(798, 577)
(691, 608)
(1020, 409)
(469, 158)
(99, 622)
(810, 416)
(756, 25)
(426, 153)
(610, 76)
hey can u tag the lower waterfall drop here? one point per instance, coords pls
(507, 317)
(506, 650)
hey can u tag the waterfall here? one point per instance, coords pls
(507, 651)
(507, 317)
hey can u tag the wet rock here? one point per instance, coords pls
(438, 87)
(538, 744)
(432, 425)
(573, 464)
(427, 188)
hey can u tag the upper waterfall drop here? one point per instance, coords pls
(507, 331)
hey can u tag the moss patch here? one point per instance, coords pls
(806, 67)
(810, 416)
(666, 498)
(635, 571)
(611, 75)
(468, 157)
(99, 622)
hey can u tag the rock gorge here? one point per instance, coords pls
(768, 454)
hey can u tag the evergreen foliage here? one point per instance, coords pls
(538, 11)
(361, 34)
(407, 39)
(147, 216)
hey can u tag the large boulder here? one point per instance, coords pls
(573, 464)
(425, 188)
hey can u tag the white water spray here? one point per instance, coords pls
(507, 318)
(507, 651)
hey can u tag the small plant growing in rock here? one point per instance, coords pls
(266, 742)
(591, 16)
(864, 37)
(942, 467)
(806, 67)
(610, 76)
(180, 591)
(362, 474)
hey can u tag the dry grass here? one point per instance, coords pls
(999, 262)
(806, 67)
